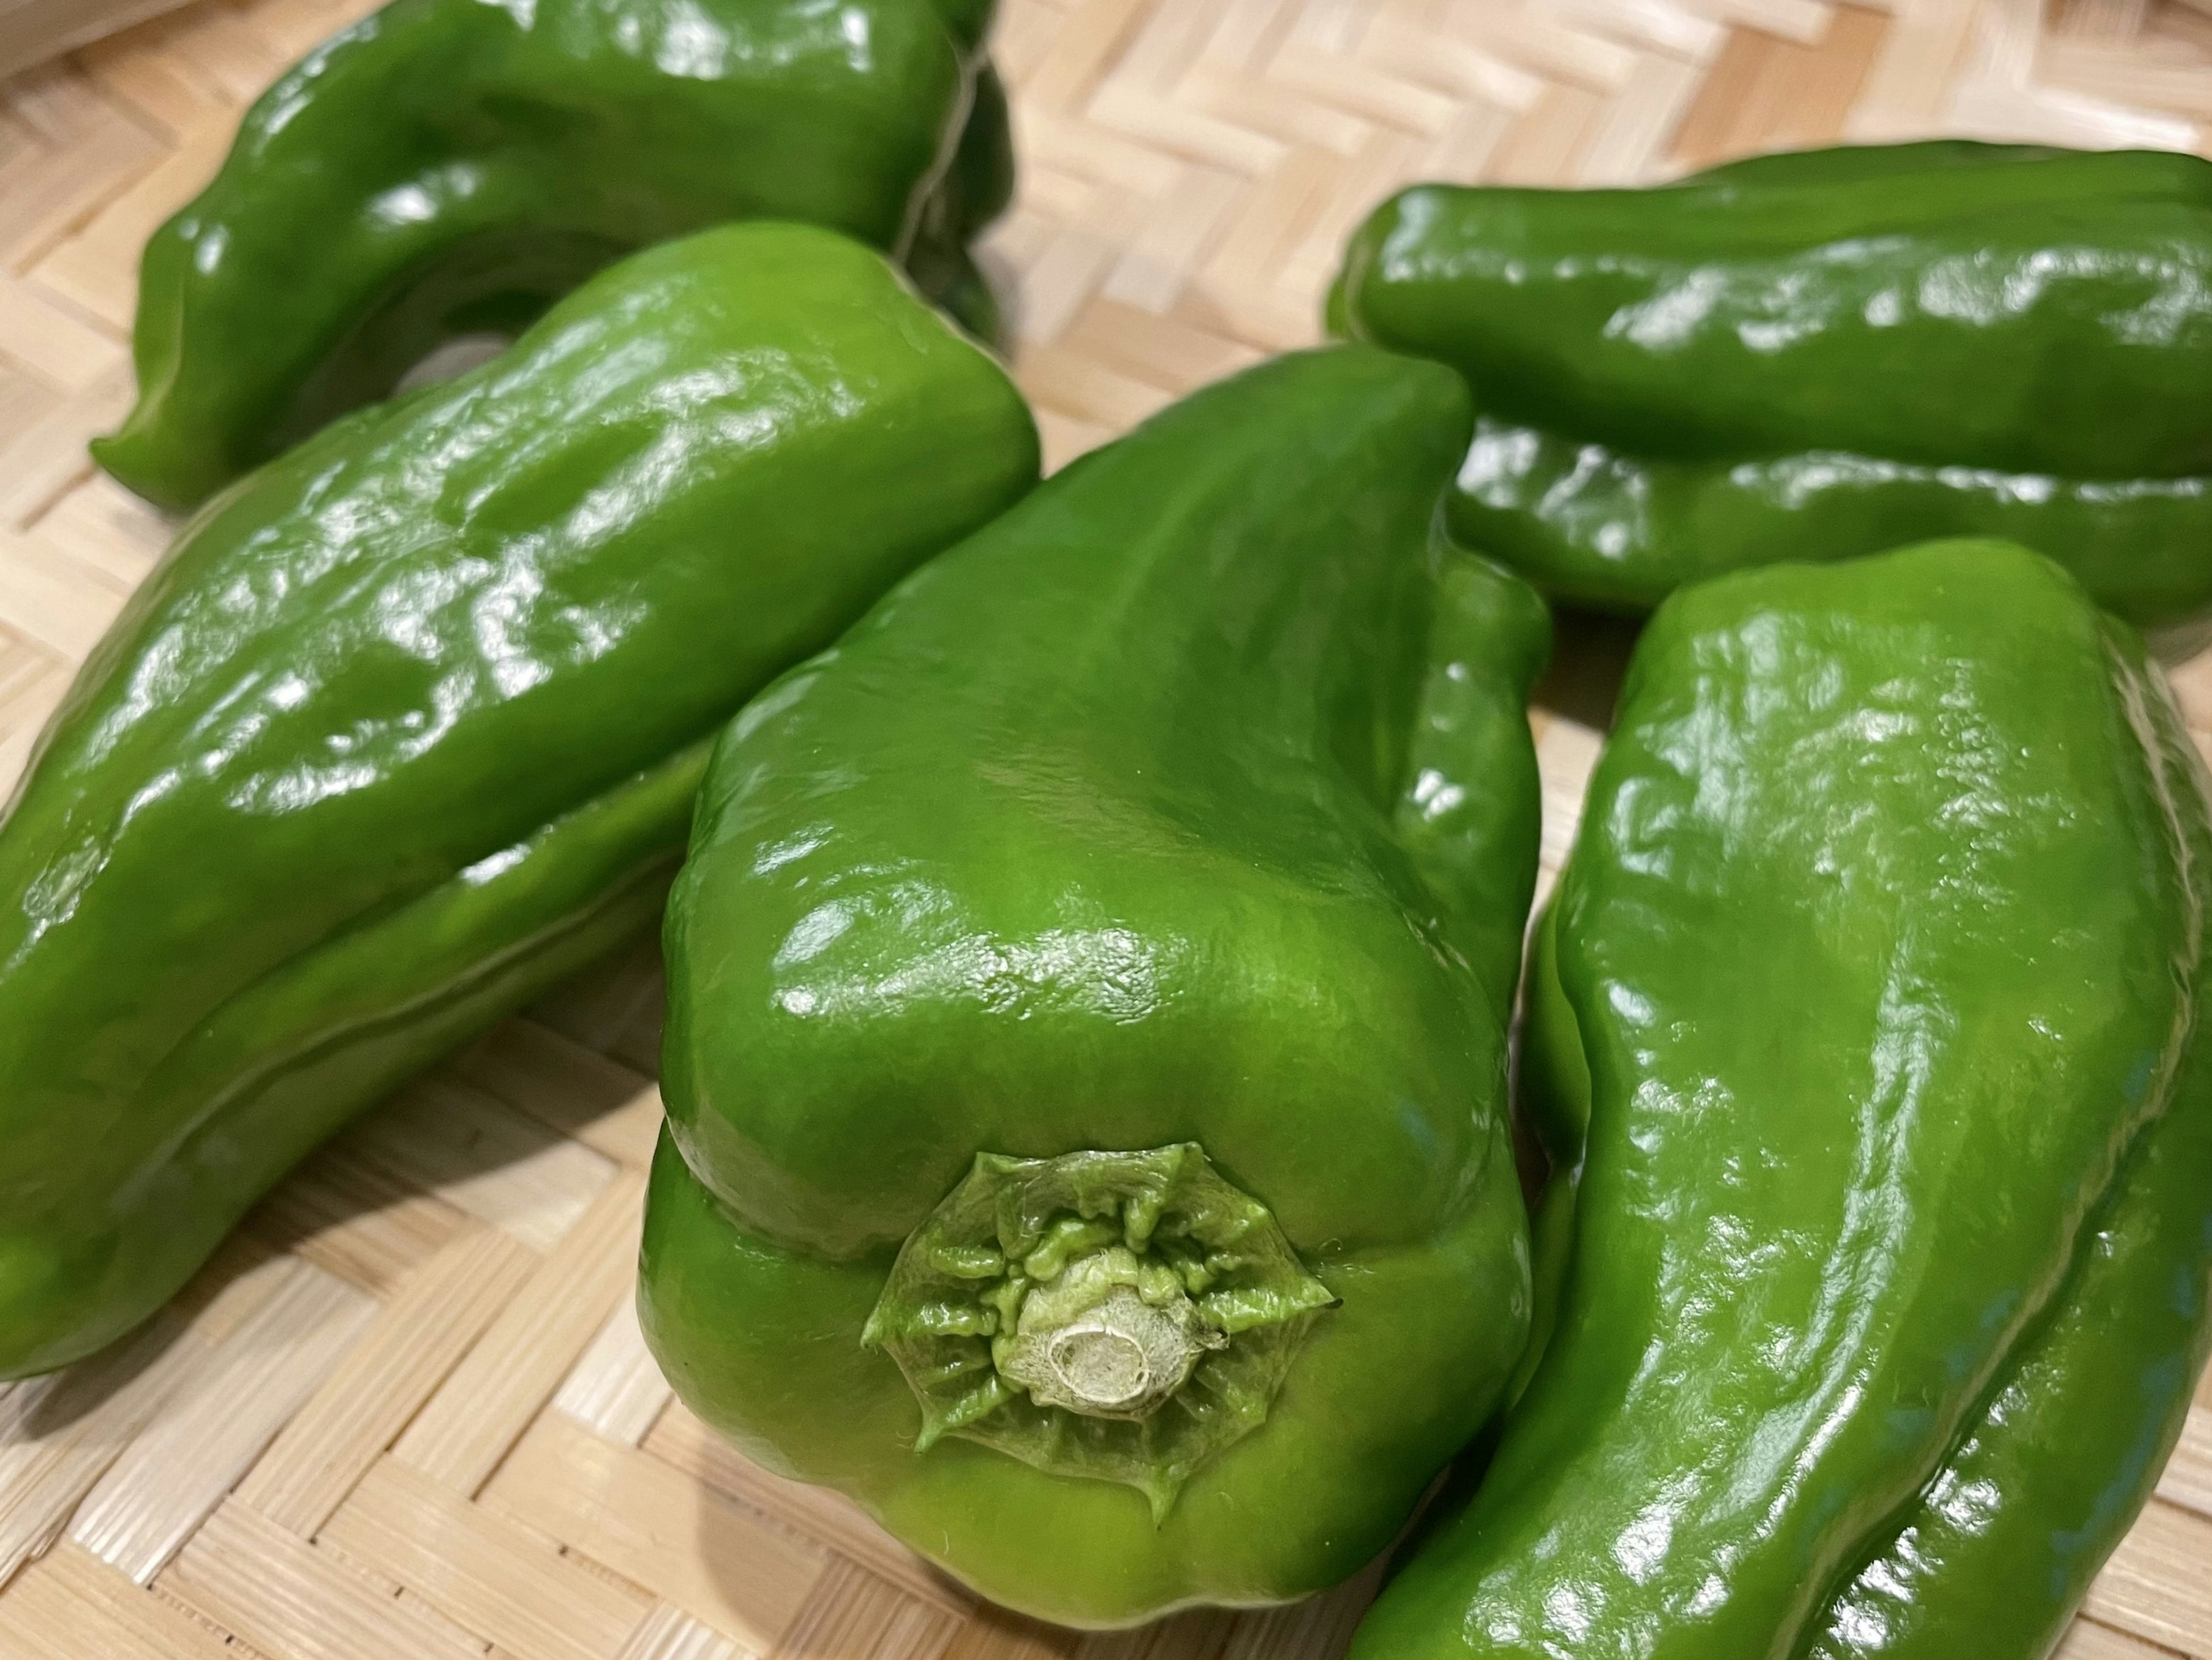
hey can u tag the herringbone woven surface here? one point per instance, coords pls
(407, 1413)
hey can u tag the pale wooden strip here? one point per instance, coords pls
(1404, 39)
(2089, 1640)
(96, 269)
(82, 151)
(652, 1524)
(1281, 113)
(1630, 144)
(104, 528)
(289, 27)
(1089, 390)
(1763, 93)
(1653, 23)
(820, 1514)
(1365, 88)
(494, 1578)
(2101, 21)
(43, 594)
(72, 1604)
(669, 1633)
(1804, 21)
(1163, 351)
(854, 1617)
(238, 60)
(996, 1633)
(1148, 117)
(23, 714)
(616, 1389)
(357, 1219)
(60, 1434)
(1063, 277)
(1052, 139)
(2128, 76)
(1319, 1628)
(294, 1602)
(1194, 1632)
(159, 88)
(439, 1312)
(1088, 36)
(39, 468)
(51, 341)
(2154, 1587)
(486, 1158)
(1911, 79)
(174, 1474)
(1178, 233)
(2187, 1480)
(570, 1088)
(1545, 146)
(32, 31)
(489, 1399)
(1566, 755)
(1535, 40)
(1392, 158)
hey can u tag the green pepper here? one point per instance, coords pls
(449, 167)
(977, 189)
(410, 722)
(1821, 355)
(1875, 973)
(1088, 993)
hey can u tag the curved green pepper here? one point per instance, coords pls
(1088, 991)
(1876, 968)
(447, 167)
(410, 722)
(977, 189)
(1682, 382)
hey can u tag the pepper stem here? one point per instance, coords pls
(1120, 1357)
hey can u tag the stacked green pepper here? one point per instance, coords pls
(450, 167)
(409, 724)
(1877, 977)
(1088, 995)
(1818, 355)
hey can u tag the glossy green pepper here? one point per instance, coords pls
(410, 722)
(1819, 355)
(1876, 972)
(450, 167)
(1088, 995)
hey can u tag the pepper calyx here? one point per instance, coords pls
(1120, 1315)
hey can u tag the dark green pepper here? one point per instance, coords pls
(1876, 972)
(450, 167)
(1819, 355)
(410, 722)
(1088, 997)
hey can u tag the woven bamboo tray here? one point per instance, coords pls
(405, 1414)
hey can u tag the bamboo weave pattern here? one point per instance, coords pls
(406, 1412)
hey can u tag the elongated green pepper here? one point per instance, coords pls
(1821, 355)
(1877, 971)
(410, 722)
(1088, 991)
(447, 167)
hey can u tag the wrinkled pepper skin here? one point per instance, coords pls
(1876, 974)
(1822, 355)
(1141, 822)
(412, 721)
(448, 167)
